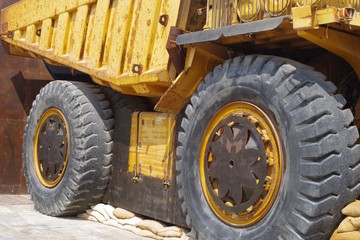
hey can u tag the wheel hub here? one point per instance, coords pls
(51, 148)
(240, 164)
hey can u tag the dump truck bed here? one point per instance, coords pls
(124, 44)
(119, 43)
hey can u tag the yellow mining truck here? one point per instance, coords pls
(232, 117)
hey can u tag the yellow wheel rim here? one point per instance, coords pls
(241, 164)
(51, 148)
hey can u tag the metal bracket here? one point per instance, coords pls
(230, 31)
(176, 53)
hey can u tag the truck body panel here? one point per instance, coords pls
(105, 39)
(101, 38)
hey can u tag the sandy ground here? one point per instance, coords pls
(19, 220)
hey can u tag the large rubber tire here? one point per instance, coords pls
(123, 106)
(89, 122)
(320, 168)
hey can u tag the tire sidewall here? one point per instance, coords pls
(45, 103)
(89, 123)
(254, 90)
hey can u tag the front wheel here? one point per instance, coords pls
(68, 148)
(266, 152)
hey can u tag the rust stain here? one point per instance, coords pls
(134, 28)
(18, 94)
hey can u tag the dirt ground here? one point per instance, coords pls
(19, 220)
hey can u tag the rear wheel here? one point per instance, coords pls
(266, 152)
(68, 148)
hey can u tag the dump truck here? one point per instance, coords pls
(235, 118)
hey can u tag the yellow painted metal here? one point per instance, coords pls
(275, 164)
(37, 164)
(305, 13)
(30, 34)
(62, 32)
(161, 34)
(326, 16)
(209, 15)
(343, 44)
(97, 35)
(302, 17)
(28, 12)
(78, 34)
(249, 10)
(309, 17)
(151, 145)
(356, 20)
(133, 149)
(87, 41)
(307, 2)
(142, 33)
(46, 34)
(116, 44)
(201, 59)
(121, 44)
(277, 7)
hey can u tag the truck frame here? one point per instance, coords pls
(234, 118)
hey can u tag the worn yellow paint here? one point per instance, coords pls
(142, 34)
(108, 37)
(356, 20)
(120, 34)
(17, 35)
(307, 2)
(79, 33)
(343, 44)
(134, 133)
(307, 17)
(170, 8)
(248, 10)
(183, 14)
(89, 30)
(326, 16)
(62, 33)
(151, 151)
(27, 12)
(302, 17)
(209, 16)
(46, 34)
(102, 38)
(30, 34)
(277, 7)
(200, 61)
(97, 37)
